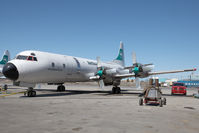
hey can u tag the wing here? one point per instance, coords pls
(153, 73)
(124, 75)
(175, 71)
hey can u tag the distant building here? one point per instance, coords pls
(170, 81)
(190, 83)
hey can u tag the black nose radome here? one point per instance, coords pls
(10, 71)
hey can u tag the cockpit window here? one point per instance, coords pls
(29, 58)
(35, 58)
(21, 57)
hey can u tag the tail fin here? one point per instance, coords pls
(5, 58)
(120, 58)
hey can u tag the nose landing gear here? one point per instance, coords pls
(32, 93)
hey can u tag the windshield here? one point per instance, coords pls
(29, 58)
(21, 57)
(178, 84)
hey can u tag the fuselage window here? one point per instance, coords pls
(53, 64)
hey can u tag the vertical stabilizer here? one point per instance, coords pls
(120, 58)
(5, 58)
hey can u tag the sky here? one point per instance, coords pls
(163, 32)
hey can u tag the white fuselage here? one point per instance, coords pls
(55, 68)
(1, 67)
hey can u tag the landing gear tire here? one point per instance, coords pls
(31, 93)
(164, 101)
(160, 103)
(60, 88)
(141, 102)
(116, 90)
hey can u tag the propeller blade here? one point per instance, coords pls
(101, 83)
(150, 64)
(134, 58)
(100, 73)
(137, 82)
(98, 62)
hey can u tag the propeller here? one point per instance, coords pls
(137, 82)
(150, 64)
(101, 84)
(137, 67)
(100, 73)
(134, 58)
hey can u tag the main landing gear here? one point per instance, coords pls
(61, 88)
(30, 92)
(116, 90)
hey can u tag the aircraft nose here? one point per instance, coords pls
(10, 71)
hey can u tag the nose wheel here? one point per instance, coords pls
(60, 88)
(116, 90)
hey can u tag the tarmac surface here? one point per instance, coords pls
(87, 109)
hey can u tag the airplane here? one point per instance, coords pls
(31, 67)
(4, 60)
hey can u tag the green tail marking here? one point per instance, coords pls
(120, 55)
(4, 60)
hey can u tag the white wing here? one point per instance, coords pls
(153, 73)
(174, 71)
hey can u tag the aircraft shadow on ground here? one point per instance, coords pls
(96, 92)
(80, 92)
(66, 93)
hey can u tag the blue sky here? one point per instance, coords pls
(164, 32)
